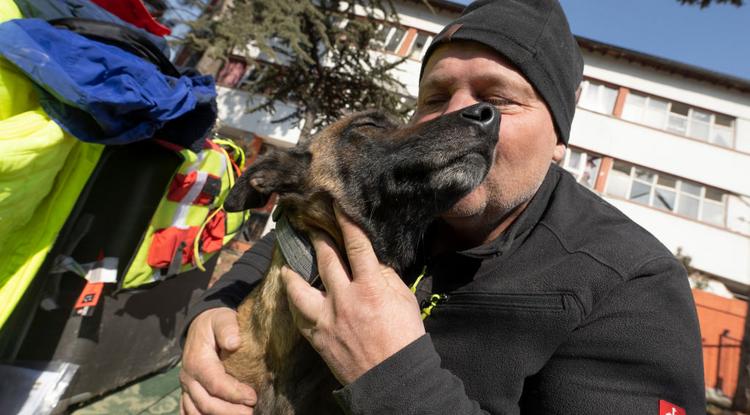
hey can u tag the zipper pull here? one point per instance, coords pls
(435, 299)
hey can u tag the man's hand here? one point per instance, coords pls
(360, 320)
(206, 387)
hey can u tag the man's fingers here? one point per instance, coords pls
(220, 385)
(204, 403)
(226, 329)
(362, 259)
(331, 266)
(187, 407)
(305, 300)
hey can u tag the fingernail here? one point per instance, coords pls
(248, 403)
(233, 341)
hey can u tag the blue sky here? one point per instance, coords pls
(715, 38)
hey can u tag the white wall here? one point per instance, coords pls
(233, 105)
(663, 151)
(713, 250)
(743, 135)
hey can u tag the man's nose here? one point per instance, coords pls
(484, 115)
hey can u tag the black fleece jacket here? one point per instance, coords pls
(575, 309)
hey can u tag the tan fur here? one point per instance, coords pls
(268, 334)
(283, 369)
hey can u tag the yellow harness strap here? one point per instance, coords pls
(435, 299)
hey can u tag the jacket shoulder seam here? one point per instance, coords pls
(624, 275)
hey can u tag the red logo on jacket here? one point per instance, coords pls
(667, 408)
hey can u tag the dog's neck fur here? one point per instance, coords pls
(395, 242)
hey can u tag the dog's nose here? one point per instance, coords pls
(483, 114)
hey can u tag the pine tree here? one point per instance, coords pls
(706, 3)
(315, 54)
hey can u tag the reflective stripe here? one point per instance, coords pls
(179, 220)
(180, 217)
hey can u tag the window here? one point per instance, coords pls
(597, 97)
(419, 47)
(403, 41)
(680, 119)
(666, 192)
(643, 183)
(699, 125)
(618, 180)
(655, 113)
(722, 131)
(389, 38)
(584, 167)
(250, 76)
(232, 72)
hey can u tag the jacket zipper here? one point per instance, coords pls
(553, 302)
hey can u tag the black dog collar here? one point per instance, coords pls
(297, 249)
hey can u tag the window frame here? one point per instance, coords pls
(689, 119)
(600, 87)
(579, 171)
(677, 189)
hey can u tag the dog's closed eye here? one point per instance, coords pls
(368, 123)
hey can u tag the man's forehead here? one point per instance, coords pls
(494, 68)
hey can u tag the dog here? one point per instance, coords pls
(393, 180)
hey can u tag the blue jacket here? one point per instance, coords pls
(100, 93)
(58, 9)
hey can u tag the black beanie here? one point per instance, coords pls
(534, 36)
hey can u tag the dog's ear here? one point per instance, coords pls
(278, 171)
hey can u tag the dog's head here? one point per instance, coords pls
(391, 179)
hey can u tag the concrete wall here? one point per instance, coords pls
(717, 314)
(713, 250)
(233, 105)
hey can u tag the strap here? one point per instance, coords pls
(415, 284)
(296, 248)
(176, 263)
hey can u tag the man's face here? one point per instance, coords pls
(460, 74)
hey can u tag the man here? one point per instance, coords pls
(552, 300)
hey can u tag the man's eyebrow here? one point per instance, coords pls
(432, 81)
(517, 87)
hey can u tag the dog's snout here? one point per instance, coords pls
(484, 115)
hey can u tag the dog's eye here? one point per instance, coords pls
(367, 123)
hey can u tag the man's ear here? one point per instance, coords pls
(278, 171)
(559, 152)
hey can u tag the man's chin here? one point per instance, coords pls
(467, 206)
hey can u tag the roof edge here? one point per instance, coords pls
(667, 65)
